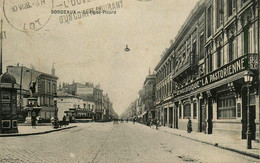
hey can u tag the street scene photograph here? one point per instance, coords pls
(129, 81)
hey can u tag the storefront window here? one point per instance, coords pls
(226, 105)
(187, 111)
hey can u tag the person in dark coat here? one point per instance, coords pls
(189, 126)
(64, 120)
(33, 119)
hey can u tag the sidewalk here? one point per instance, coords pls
(28, 130)
(228, 143)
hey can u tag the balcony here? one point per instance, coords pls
(185, 64)
(245, 62)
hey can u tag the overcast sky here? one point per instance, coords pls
(91, 49)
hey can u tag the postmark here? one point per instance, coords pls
(3, 35)
(27, 15)
(67, 14)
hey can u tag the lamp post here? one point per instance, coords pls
(55, 111)
(248, 79)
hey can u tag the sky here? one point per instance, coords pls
(91, 49)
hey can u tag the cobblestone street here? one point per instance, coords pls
(108, 142)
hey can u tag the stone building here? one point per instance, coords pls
(45, 88)
(202, 74)
(67, 101)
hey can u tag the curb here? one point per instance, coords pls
(36, 133)
(219, 146)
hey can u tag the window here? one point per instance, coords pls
(226, 105)
(219, 13)
(230, 7)
(53, 88)
(250, 41)
(202, 49)
(194, 52)
(186, 111)
(219, 58)
(49, 87)
(209, 27)
(48, 101)
(210, 63)
(232, 50)
(194, 110)
(201, 69)
(184, 58)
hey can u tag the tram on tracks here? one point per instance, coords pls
(79, 115)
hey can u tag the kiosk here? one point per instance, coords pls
(8, 104)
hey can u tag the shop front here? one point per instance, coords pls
(222, 102)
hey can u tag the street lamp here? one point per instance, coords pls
(55, 111)
(248, 77)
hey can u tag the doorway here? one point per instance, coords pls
(210, 116)
(175, 113)
(165, 117)
(171, 117)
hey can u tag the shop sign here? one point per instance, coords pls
(230, 69)
(253, 62)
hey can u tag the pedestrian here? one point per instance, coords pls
(150, 123)
(64, 120)
(33, 119)
(52, 121)
(189, 126)
(67, 119)
(156, 122)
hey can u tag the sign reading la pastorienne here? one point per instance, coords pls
(230, 69)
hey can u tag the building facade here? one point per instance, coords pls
(45, 88)
(67, 101)
(149, 97)
(93, 99)
(202, 73)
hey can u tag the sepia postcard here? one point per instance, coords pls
(129, 81)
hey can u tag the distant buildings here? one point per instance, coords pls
(97, 106)
(67, 101)
(143, 108)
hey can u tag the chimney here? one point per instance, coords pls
(53, 70)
